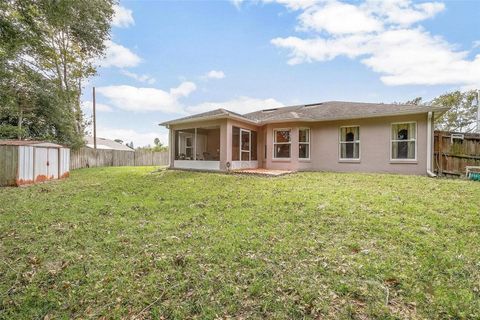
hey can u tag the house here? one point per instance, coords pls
(328, 136)
(106, 144)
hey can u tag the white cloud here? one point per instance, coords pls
(382, 35)
(87, 106)
(240, 105)
(291, 4)
(183, 90)
(139, 77)
(403, 12)
(214, 74)
(119, 56)
(122, 17)
(140, 139)
(147, 99)
(339, 18)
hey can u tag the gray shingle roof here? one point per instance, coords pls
(217, 113)
(106, 144)
(324, 111)
(337, 110)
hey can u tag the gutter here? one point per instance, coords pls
(429, 146)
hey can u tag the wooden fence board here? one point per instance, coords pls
(451, 157)
(89, 158)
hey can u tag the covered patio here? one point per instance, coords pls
(198, 148)
(216, 140)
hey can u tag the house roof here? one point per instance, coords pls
(209, 115)
(106, 144)
(323, 111)
(29, 143)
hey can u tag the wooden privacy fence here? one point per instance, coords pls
(86, 157)
(454, 151)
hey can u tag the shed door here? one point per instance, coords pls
(41, 159)
(52, 164)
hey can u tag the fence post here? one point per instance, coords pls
(440, 152)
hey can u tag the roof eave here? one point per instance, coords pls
(206, 118)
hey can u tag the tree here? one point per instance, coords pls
(157, 146)
(463, 111)
(417, 101)
(46, 49)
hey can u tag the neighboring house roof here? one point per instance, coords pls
(30, 143)
(324, 111)
(106, 144)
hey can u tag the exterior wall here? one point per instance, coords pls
(64, 167)
(25, 165)
(375, 147)
(8, 165)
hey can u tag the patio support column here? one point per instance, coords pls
(171, 146)
(195, 145)
(225, 144)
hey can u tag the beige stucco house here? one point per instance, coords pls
(328, 136)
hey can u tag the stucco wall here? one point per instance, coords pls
(375, 147)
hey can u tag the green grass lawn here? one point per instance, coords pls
(129, 243)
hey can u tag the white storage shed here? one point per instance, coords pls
(27, 162)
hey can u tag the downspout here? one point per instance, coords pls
(429, 146)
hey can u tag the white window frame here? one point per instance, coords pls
(409, 140)
(340, 142)
(305, 143)
(275, 142)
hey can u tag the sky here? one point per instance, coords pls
(169, 59)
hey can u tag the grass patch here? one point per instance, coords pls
(129, 243)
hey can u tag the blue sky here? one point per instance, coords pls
(167, 59)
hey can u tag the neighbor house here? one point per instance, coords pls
(106, 144)
(329, 136)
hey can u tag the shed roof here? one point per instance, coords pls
(30, 143)
(323, 111)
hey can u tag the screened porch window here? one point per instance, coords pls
(201, 144)
(404, 139)
(350, 143)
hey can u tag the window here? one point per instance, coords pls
(404, 139)
(281, 143)
(350, 143)
(304, 143)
